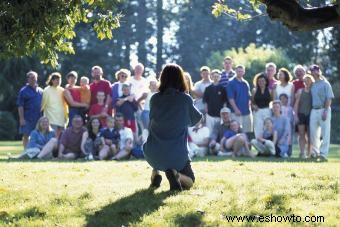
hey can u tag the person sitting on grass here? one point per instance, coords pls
(42, 142)
(265, 144)
(199, 139)
(91, 142)
(70, 142)
(126, 138)
(110, 137)
(233, 134)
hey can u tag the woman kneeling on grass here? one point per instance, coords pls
(171, 113)
(42, 141)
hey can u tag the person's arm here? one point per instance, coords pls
(292, 98)
(83, 141)
(61, 150)
(71, 102)
(22, 121)
(296, 105)
(234, 106)
(275, 137)
(121, 101)
(253, 104)
(44, 100)
(327, 106)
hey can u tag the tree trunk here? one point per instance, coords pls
(160, 27)
(141, 28)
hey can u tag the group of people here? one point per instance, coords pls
(266, 116)
(167, 122)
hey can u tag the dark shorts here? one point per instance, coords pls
(187, 170)
(303, 119)
(27, 128)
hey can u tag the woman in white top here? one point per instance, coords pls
(284, 86)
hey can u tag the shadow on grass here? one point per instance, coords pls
(128, 210)
(189, 219)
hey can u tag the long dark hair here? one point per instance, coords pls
(259, 76)
(90, 129)
(172, 76)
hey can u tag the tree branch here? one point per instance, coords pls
(297, 18)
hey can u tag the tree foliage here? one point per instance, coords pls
(46, 27)
(252, 57)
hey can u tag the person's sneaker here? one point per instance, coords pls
(321, 159)
(156, 181)
(175, 184)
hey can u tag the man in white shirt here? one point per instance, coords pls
(200, 87)
(126, 138)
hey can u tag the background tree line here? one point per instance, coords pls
(182, 31)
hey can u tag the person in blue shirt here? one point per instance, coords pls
(42, 141)
(171, 113)
(238, 93)
(29, 106)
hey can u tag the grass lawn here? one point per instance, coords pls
(110, 193)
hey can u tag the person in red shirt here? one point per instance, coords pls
(100, 84)
(98, 110)
(299, 72)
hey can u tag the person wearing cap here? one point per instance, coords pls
(320, 117)
(122, 75)
(200, 87)
(238, 93)
(218, 131)
(214, 98)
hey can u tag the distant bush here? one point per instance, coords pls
(8, 126)
(252, 57)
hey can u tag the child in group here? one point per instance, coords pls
(265, 144)
(85, 93)
(227, 141)
(110, 137)
(96, 110)
(128, 106)
(287, 111)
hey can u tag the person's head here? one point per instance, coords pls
(276, 107)
(225, 114)
(126, 89)
(260, 80)
(43, 125)
(119, 120)
(234, 125)
(71, 77)
(188, 81)
(100, 97)
(270, 70)
(84, 81)
(122, 75)
(153, 83)
(96, 72)
(308, 80)
(315, 71)
(205, 72)
(284, 99)
(77, 122)
(93, 124)
(268, 123)
(110, 122)
(172, 77)
(299, 71)
(139, 70)
(54, 79)
(215, 75)
(32, 78)
(240, 71)
(228, 63)
(284, 75)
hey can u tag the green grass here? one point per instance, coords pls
(55, 193)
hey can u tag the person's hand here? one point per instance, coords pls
(238, 112)
(255, 108)
(22, 122)
(108, 142)
(324, 115)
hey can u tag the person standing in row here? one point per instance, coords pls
(29, 106)
(54, 105)
(320, 117)
(99, 84)
(200, 87)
